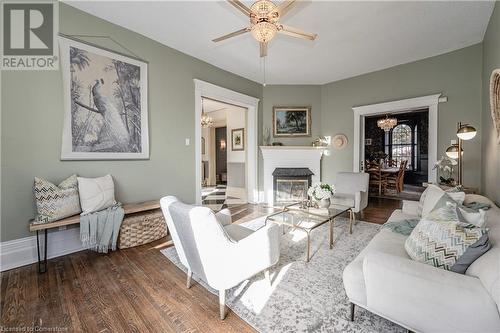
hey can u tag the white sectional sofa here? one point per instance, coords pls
(422, 298)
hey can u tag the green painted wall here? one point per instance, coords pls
(490, 148)
(32, 118)
(456, 75)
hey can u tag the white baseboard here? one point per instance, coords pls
(23, 251)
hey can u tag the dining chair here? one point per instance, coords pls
(395, 180)
(377, 179)
(392, 163)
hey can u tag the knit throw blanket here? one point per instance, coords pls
(403, 227)
(99, 230)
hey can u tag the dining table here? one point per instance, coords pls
(386, 171)
(390, 170)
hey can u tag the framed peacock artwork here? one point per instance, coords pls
(105, 103)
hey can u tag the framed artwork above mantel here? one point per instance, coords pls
(290, 122)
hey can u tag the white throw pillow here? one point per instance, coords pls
(432, 195)
(472, 216)
(96, 193)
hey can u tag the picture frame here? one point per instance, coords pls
(238, 139)
(202, 145)
(368, 142)
(105, 103)
(290, 122)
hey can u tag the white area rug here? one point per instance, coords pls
(304, 297)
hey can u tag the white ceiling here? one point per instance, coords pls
(353, 37)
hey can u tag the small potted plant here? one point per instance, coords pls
(321, 194)
(445, 166)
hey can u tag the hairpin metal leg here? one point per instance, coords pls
(332, 222)
(308, 246)
(352, 307)
(351, 220)
(42, 262)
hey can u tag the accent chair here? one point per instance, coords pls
(220, 253)
(352, 190)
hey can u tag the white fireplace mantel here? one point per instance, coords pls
(289, 157)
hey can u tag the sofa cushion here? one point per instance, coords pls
(487, 267)
(385, 241)
(434, 194)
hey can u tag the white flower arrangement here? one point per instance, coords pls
(320, 191)
(446, 165)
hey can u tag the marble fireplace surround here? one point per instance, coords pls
(289, 157)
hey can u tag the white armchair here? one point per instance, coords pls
(220, 253)
(352, 190)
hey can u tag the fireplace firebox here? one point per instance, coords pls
(291, 184)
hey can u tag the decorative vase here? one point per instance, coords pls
(324, 203)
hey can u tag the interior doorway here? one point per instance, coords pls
(427, 104)
(251, 104)
(400, 152)
(223, 155)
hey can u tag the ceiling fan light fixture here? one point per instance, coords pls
(263, 9)
(264, 31)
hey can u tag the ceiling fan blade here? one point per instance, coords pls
(263, 50)
(285, 6)
(240, 6)
(294, 32)
(232, 34)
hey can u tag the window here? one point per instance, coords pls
(400, 145)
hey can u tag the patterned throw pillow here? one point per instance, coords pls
(440, 239)
(55, 202)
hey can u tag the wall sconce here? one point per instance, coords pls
(223, 145)
(464, 132)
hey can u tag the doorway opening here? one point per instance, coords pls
(250, 104)
(399, 143)
(401, 153)
(223, 155)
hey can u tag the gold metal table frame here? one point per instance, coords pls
(330, 216)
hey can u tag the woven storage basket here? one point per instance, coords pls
(141, 228)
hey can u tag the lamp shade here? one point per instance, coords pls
(466, 132)
(452, 151)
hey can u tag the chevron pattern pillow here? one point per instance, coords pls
(440, 239)
(55, 202)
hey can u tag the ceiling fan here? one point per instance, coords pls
(264, 18)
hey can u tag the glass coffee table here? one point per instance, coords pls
(309, 218)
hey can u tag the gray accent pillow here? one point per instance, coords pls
(471, 254)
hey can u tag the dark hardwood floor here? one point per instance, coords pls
(130, 290)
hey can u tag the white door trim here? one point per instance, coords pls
(360, 112)
(209, 90)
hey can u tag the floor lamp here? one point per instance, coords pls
(456, 151)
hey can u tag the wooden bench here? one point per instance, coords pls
(75, 219)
